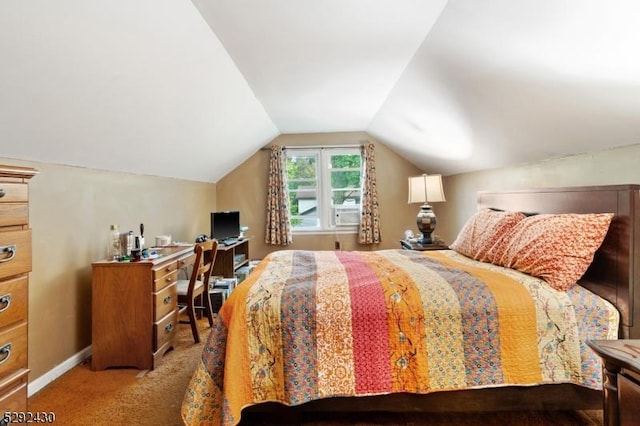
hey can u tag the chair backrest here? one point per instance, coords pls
(203, 265)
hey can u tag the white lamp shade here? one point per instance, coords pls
(426, 189)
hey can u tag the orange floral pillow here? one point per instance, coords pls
(482, 231)
(555, 247)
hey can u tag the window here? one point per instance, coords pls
(325, 188)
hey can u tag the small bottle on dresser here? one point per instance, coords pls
(114, 248)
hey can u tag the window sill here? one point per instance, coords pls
(325, 232)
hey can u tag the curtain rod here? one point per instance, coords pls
(268, 147)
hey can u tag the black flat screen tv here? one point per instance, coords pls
(225, 225)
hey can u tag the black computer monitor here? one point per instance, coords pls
(225, 225)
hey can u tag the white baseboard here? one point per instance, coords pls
(42, 381)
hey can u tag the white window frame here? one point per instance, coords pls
(323, 185)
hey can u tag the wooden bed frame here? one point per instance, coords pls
(615, 270)
(614, 274)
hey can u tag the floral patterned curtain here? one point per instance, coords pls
(278, 225)
(369, 232)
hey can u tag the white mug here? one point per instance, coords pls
(163, 240)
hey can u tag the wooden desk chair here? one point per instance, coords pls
(197, 286)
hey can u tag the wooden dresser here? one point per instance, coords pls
(15, 264)
(134, 309)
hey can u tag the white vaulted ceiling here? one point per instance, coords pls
(321, 65)
(190, 89)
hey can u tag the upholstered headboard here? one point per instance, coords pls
(615, 271)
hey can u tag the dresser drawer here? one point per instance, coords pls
(13, 349)
(186, 261)
(14, 207)
(13, 392)
(164, 274)
(14, 214)
(165, 301)
(15, 253)
(13, 300)
(11, 192)
(165, 329)
(164, 269)
(162, 282)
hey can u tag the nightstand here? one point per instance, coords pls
(411, 245)
(621, 381)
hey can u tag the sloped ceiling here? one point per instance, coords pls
(191, 89)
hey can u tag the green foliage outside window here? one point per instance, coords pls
(345, 178)
(301, 172)
(303, 176)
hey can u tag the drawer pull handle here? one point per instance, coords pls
(5, 302)
(2, 193)
(169, 279)
(5, 353)
(169, 327)
(10, 250)
(167, 300)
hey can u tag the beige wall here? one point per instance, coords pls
(244, 189)
(609, 167)
(70, 212)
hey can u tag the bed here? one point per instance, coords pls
(308, 332)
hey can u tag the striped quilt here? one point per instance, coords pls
(307, 325)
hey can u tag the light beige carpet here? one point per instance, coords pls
(124, 396)
(133, 397)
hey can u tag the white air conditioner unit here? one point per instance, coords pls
(347, 215)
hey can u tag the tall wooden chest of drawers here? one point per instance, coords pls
(15, 265)
(134, 309)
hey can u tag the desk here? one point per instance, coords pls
(134, 309)
(231, 257)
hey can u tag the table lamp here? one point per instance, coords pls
(426, 189)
